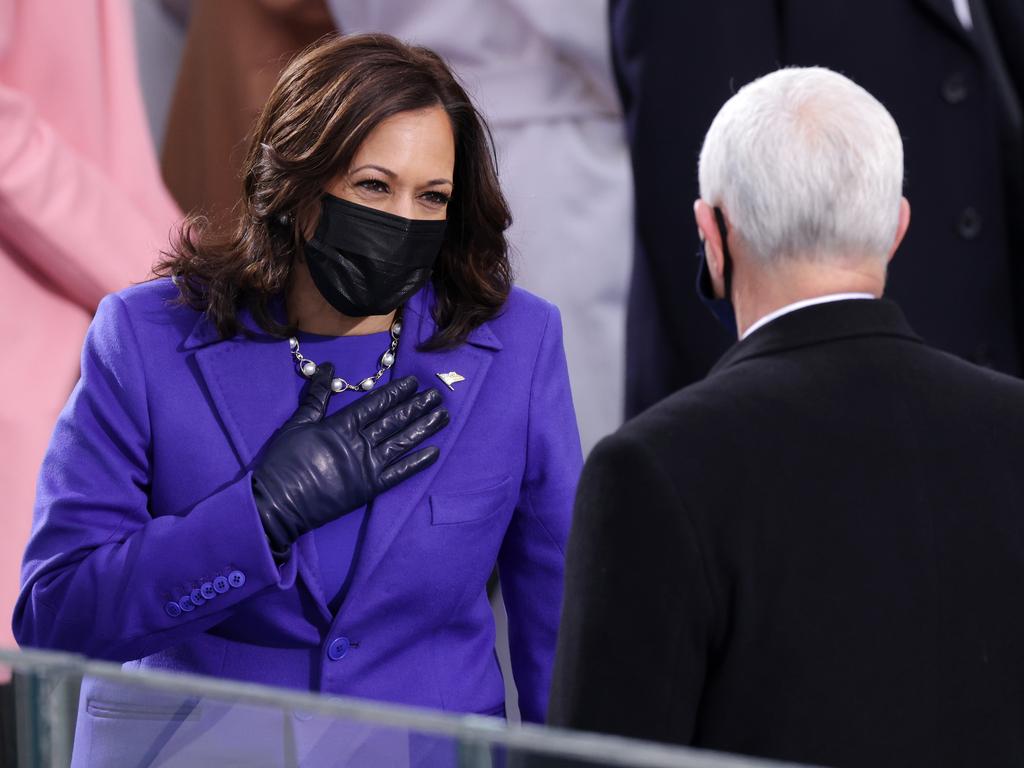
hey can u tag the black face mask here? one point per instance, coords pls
(368, 262)
(722, 309)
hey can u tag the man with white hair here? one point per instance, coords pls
(817, 552)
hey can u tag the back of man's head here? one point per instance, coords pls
(807, 165)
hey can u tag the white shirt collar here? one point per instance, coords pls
(800, 305)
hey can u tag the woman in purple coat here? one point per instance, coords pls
(298, 459)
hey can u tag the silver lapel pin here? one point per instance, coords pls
(450, 379)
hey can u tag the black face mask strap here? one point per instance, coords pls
(726, 257)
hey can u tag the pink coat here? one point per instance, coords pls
(83, 212)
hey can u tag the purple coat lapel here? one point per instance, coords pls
(472, 361)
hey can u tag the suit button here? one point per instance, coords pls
(338, 648)
(196, 597)
(969, 225)
(173, 610)
(954, 88)
(220, 585)
(236, 579)
(185, 603)
(207, 590)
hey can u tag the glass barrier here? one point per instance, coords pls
(59, 710)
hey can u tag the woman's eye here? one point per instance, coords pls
(436, 198)
(373, 185)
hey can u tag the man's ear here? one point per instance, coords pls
(707, 229)
(901, 226)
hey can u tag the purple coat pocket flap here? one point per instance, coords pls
(467, 506)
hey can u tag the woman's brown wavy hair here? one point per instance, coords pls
(323, 107)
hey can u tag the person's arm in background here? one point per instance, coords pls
(676, 63)
(62, 216)
(59, 213)
(532, 558)
(638, 613)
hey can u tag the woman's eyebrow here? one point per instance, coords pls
(391, 174)
(382, 169)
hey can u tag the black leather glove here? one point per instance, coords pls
(316, 469)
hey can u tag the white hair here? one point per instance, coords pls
(807, 164)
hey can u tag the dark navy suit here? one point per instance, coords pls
(954, 98)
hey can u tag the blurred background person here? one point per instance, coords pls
(83, 212)
(950, 71)
(815, 554)
(232, 56)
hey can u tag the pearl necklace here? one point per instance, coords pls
(307, 367)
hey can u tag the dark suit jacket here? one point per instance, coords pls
(955, 102)
(815, 554)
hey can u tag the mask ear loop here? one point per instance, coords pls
(723, 231)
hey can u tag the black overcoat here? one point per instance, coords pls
(814, 554)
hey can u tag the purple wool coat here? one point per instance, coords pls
(147, 548)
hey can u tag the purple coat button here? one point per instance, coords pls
(220, 584)
(173, 610)
(196, 596)
(338, 648)
(207, 590)
(185, 603)
(236, 579)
